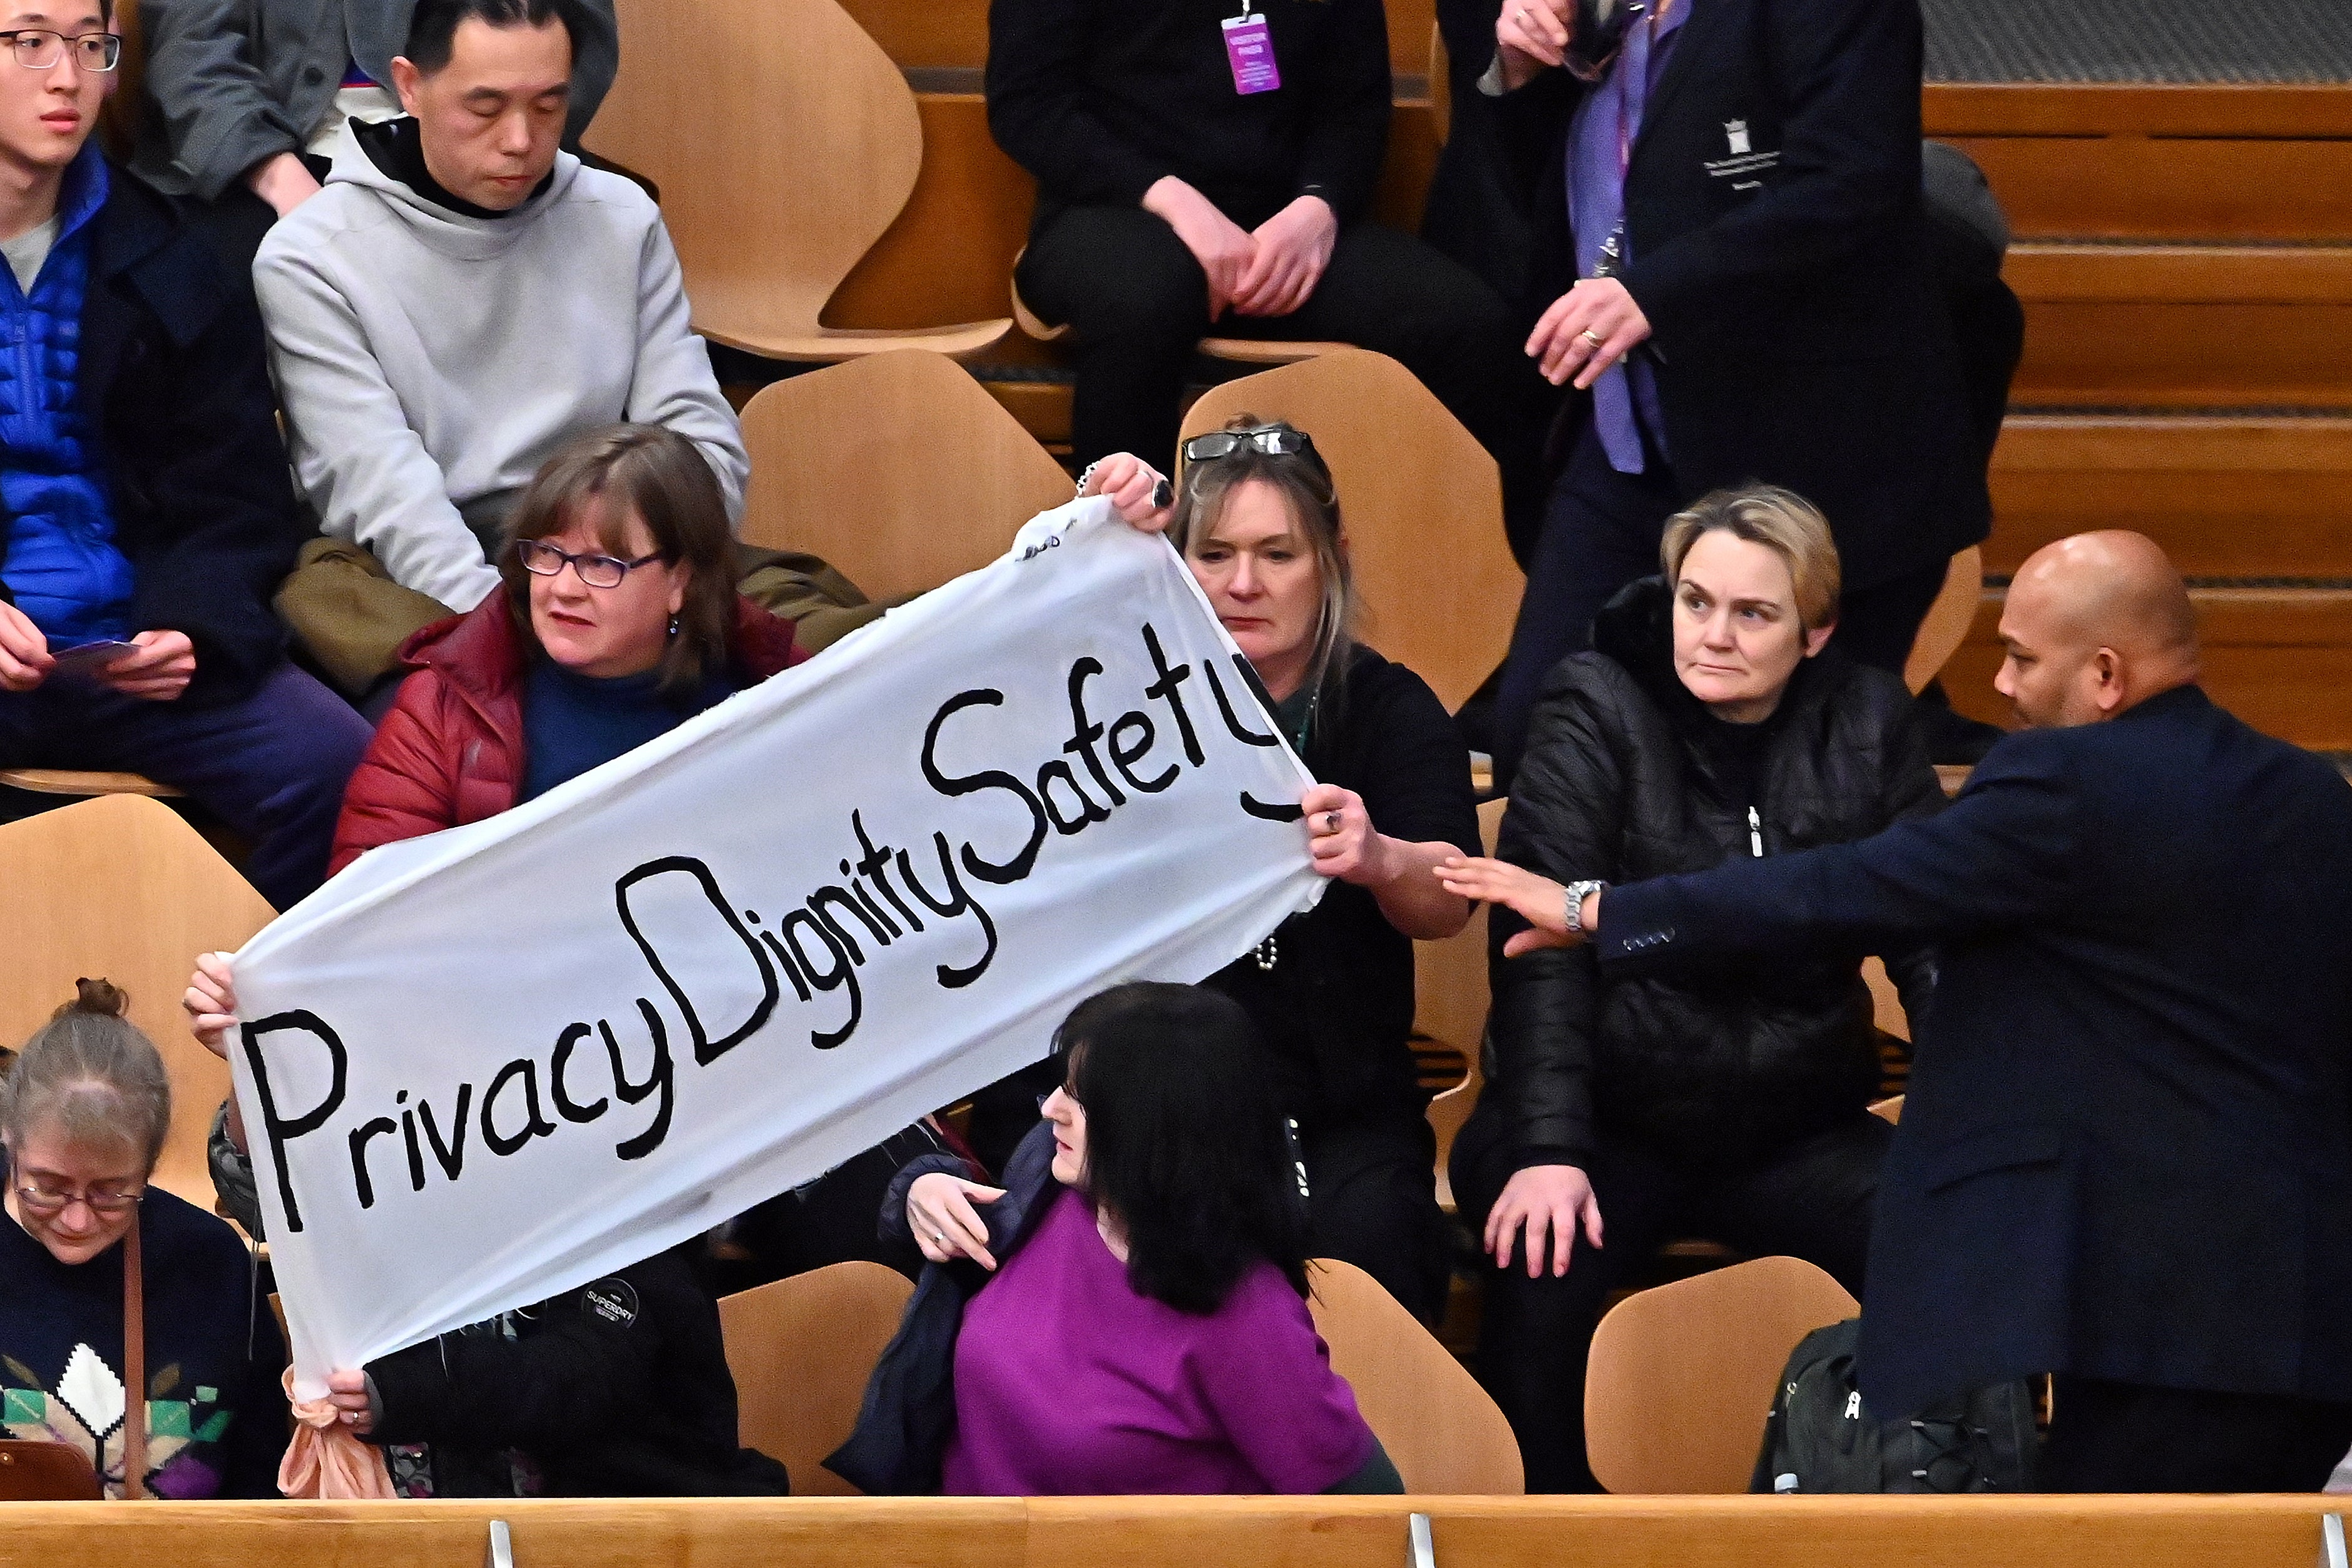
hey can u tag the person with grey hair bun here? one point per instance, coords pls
(1714, 719)
(84, 1112)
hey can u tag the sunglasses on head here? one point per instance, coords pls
(1274, 440)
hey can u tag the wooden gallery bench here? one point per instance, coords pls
(1184, 1532)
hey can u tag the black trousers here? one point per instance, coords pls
(1371, 1187)
(1373, 1201)
(1601, 532)
(2127, 1436)
(1811, 1199)
(1137, 303)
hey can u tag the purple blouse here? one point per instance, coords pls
(1067, 1382)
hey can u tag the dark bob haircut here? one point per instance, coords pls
(433, 26)
(1186, 1145)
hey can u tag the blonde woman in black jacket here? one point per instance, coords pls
(1707, 722)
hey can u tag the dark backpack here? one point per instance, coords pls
(1819, 1439)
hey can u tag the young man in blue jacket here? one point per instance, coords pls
(145, 508)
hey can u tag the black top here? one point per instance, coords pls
(1772, 208)
(1629, 776)
(216, 1414)
(2126, 1150)
(1335, 1011)
(617, 1389)
(1099, 99)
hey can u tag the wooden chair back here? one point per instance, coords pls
(1681, 1377)
(1450, 1001)
(1949, 620)
(802, 1350)
(1421, 501)
(1446, 1436)
(46, 1472)
(782, 150)
(897, 468)
(126, 892)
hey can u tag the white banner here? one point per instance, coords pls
(492, 1064)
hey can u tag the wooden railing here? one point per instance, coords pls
(1192, 1532)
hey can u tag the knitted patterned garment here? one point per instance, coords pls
(215, 1418)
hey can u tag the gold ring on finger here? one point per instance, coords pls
(1588, 337)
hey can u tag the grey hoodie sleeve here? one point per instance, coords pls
(364, 474)
(675, 386)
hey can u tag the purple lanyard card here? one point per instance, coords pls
(1249, 50)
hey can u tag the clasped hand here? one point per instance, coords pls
(1267, 271)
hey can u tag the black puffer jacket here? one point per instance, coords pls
(1627, 777)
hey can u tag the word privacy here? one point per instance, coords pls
(487, 1065)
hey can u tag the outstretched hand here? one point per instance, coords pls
(1537, 900)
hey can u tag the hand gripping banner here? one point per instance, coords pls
(489, 1065)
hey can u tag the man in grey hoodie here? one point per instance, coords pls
(460, 299)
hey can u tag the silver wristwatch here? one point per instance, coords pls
(1575, 892)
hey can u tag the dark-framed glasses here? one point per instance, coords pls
(35, 1197)
(38, 49)
(543, 560)
(1273, 440)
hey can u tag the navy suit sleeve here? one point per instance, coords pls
(2004, 855)
(1911, 790)
(1849, 156)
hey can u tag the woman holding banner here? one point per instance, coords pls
(1331, 992)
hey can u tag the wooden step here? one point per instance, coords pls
(2184, 325)
(2226, 497)
(2279, 658)
(2181, 163)
(2145, 187)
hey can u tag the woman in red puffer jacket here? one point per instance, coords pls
(619, 622)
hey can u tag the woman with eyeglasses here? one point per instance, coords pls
(1331, 991)
(84, 1112)
(1125, 1313)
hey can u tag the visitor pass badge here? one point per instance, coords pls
(1249, 50)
